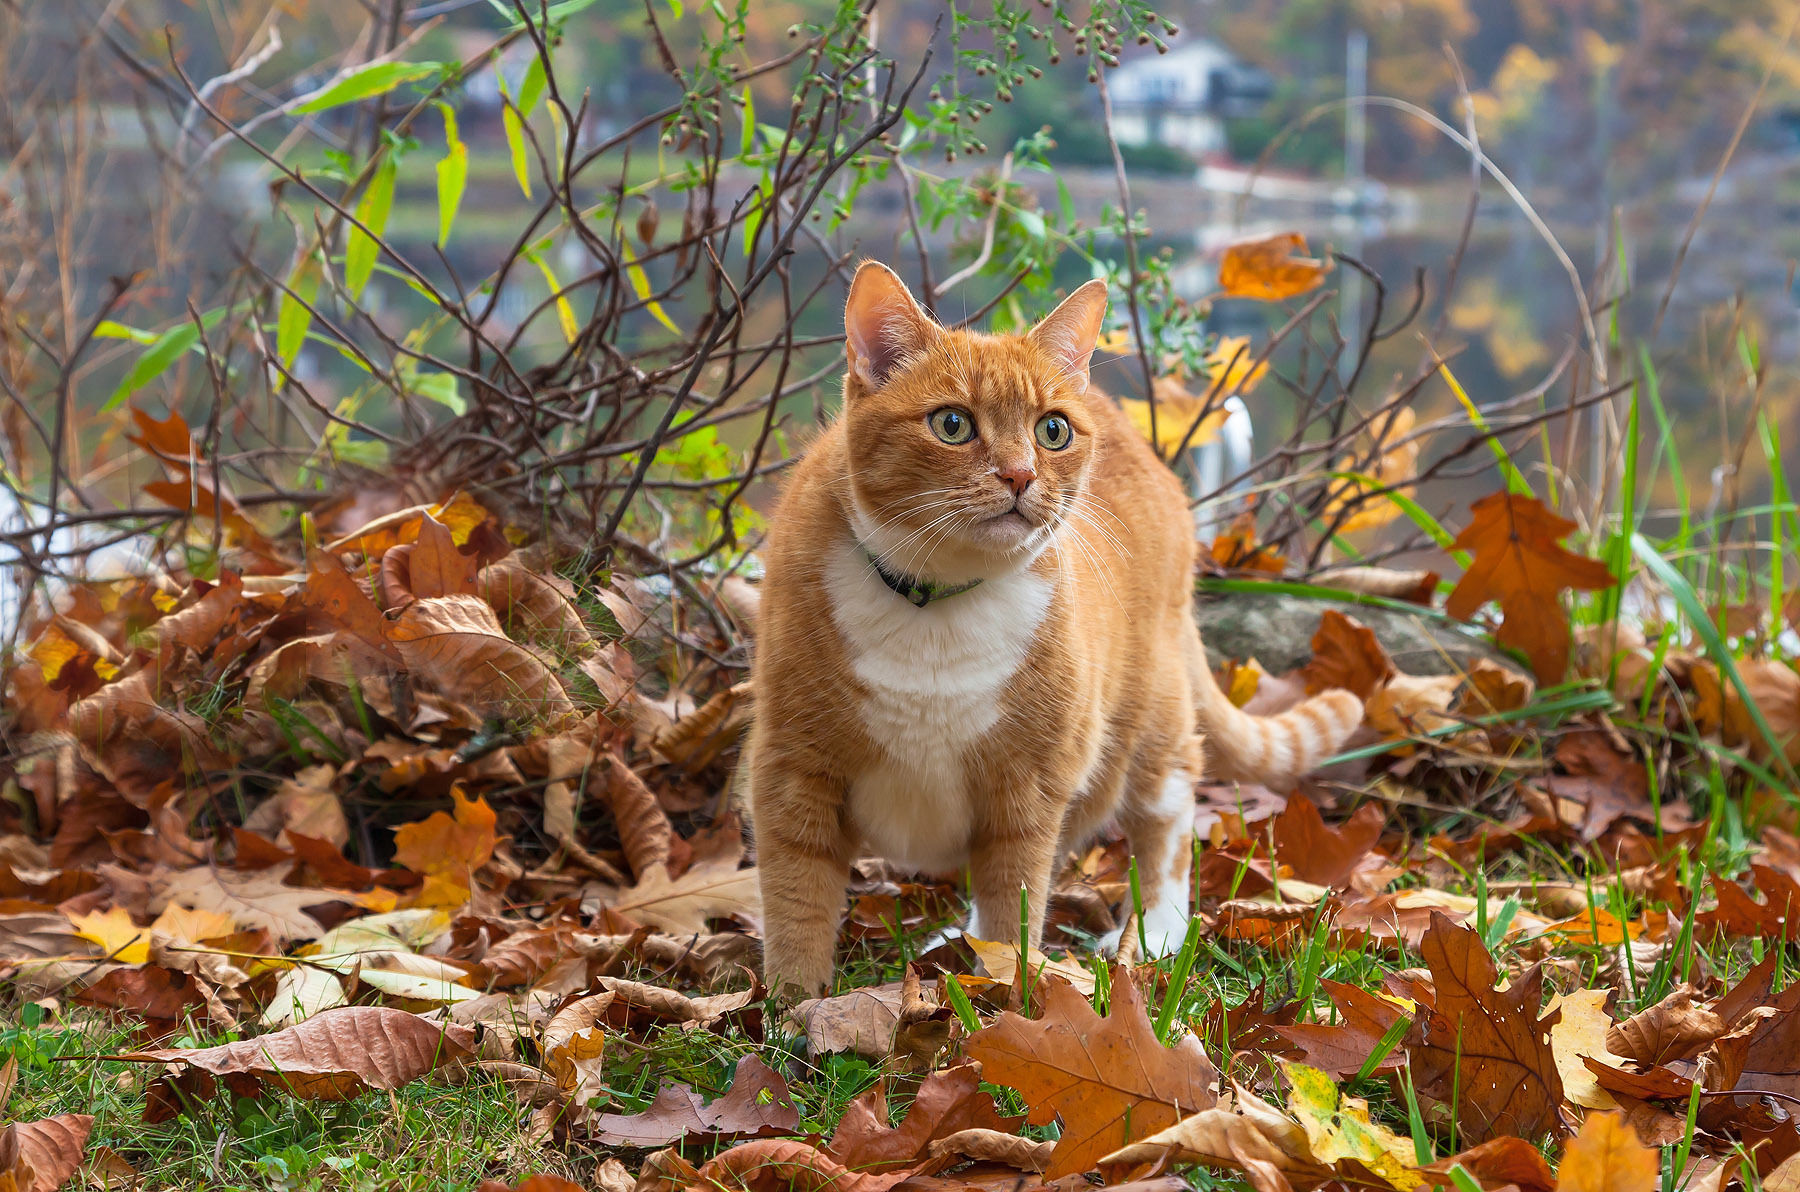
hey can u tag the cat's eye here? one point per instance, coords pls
(953, 426)
(1054, 431)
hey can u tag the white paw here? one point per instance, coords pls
(1165, 930)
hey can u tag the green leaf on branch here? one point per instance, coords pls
(294, 312)
(377, 78)
(372, 213)
(452, 175)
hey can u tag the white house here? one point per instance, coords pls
(1182, 98)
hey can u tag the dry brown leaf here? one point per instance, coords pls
(1484, 1050)
(1775, 690)
(644, 831)
(305, 803)
(1672, 1029)
(1110, 1080)
(699, 737)
(775, 1165)
(1519, 562)
(456, 643)
(1321, 855)
(947, 1101)
(861, 1021)
(1244, 1132)
(534, 607)
(712, 888)
(1607, 1157)
(1346, 655)
(1341, 1048)
(995, 1146)
(261, 899)
(757, 1104)
(1270, 270)
(435, 566)
(1416, 587)
(40, 1156)
(336, 1055)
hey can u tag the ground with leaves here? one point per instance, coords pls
(398, 856)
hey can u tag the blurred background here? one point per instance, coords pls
(1348, 122)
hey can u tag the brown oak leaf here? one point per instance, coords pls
(1519, 563)
(1111, 1080)
(1480, 1052)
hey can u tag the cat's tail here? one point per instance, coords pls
(1271, 750)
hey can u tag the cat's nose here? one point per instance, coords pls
(1017, 477)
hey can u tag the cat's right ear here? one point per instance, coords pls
(883, 325)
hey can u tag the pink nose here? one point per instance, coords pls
(1017, 477)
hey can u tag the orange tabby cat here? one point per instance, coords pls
(975, 644)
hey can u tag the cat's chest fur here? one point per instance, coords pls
(934, 678)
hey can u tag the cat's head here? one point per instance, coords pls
(966, 451)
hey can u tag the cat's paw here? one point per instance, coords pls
(1165, 930)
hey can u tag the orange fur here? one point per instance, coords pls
(997, 727)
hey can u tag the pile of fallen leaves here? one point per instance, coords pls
(399, 799)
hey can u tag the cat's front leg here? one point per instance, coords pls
(1001, 864)
(803, 864)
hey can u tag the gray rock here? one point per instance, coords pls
(1276, 629)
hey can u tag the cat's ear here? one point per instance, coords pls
(883, 325)
(1069, 332)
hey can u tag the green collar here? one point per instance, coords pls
(914, 591)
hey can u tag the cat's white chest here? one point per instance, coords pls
(934, 677)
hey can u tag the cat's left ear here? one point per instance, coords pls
(1069, 332)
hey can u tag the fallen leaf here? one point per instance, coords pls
(1519, 563)
(1607, 1157)
(456, 644)
(1270, 270)
(860, 1021)
(1243, 1132)
(1341, 1048)
(1346, 655)
(305, 803)
(333, 1056)
(1482, 1050)
(681, 906)
(1580, 1034)
(758, 1103)
(1672, 1029)
(1339, 1128)
(1110, 1080)
(451, 847)
(1002, 964)
(947, 1102)
(1322, 855)
(115, 934)
(40, 1156)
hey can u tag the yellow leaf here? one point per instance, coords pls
(451, 848)
(1270, 270)
(185, 923)
(640, 282)
(1397, 463)
(1001, 961)
(1581, 1032)
(120, 938)
(1339, 1129)
(565, 313)
(1607, 1157)
(1232, 367)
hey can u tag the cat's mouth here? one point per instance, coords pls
(1007, 530)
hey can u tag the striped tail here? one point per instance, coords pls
(1271, 750)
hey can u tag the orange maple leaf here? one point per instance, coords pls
(1271, 269)
(451, 849)
(1518, 562)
